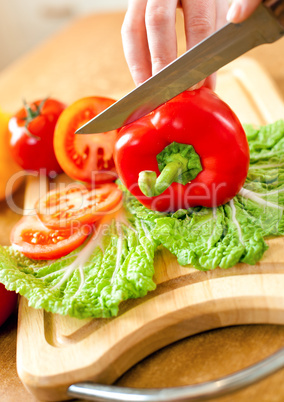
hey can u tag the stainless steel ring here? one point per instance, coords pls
(199, 392)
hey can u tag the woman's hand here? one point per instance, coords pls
(149, 35)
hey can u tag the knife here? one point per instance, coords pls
(265, 25)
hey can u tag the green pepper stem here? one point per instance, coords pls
(32, 114)
(152, 186)
(177, 163)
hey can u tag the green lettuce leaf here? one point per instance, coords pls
(209, 238)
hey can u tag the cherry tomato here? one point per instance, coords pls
(8, 302)
(76, 205)
(32, 132)
(34, 240)
(87, 158)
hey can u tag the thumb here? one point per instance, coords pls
(241, 9)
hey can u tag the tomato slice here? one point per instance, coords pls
(76, 205)
(87, 158)
(35, 241)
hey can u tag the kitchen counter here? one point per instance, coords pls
(87, 59)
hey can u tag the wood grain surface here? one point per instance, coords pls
(194, 359)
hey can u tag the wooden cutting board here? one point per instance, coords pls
(54, 351)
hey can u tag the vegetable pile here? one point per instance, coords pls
(117, 262)
(40, 139)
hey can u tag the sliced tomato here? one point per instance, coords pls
(87, 158)
(76, 205)
(35, 241)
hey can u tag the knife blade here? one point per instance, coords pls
(265, 25)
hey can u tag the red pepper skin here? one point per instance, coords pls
(199, 118)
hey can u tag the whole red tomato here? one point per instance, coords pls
(191, 151)
(8, 302)
(32, 131)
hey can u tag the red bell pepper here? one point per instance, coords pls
(191, 151)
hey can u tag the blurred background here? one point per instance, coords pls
(24, 24)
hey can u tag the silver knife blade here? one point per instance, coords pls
(193, 66)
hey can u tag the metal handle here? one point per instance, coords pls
(277, 8)
(198, 392)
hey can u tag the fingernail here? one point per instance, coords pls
(234, 11)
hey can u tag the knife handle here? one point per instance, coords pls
(277, 9)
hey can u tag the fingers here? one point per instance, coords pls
(222, 8)
(135, 43)
(241, 9)
(199, 19)
(160, 25)
(221, 12)
(149, 35)
(199, 22)
(210, 82)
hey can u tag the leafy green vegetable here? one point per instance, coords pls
(208, 238)
(117, 263)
